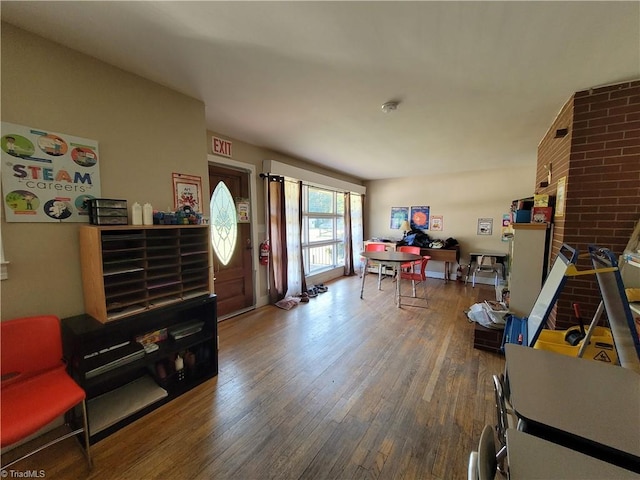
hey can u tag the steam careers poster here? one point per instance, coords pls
(47, 176)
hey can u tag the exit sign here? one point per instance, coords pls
(221, 147)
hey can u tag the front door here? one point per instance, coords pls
(234, 276)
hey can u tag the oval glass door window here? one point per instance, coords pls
(224, 226)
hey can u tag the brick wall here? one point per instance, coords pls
(600, 157)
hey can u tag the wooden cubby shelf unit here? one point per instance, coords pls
(131, 269)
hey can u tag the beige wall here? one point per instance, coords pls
(461, 199)
(145, 132)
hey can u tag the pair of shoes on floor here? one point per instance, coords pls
(317, 289)
(314, 290)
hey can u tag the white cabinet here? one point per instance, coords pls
(527, 251)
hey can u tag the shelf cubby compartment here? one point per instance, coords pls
(121, 310)
(112, 407)
(158, 267)
(162, 253)
(194, 292)
(164, 296)
(119, 292)
(133, 281)
(164, 263)
(162, 278)
(120, 256)
(193, 250)
(191, 282)
(191, 263)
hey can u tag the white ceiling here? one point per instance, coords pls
(479, 82)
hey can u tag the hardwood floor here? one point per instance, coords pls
(337, 388)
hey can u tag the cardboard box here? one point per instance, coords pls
(487, 338)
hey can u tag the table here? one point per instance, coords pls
(501, 258)
(531, 457)
(394, 258)
(593, 404)
(446, 255)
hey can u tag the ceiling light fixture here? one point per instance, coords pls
(390, 106)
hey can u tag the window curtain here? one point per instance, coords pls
(293, 212)
(348, 235)
(357, 232)
(278, 239)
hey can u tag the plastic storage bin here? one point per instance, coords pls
(108, 211)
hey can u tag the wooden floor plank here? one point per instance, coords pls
(336, 388)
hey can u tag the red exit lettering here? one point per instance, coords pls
(221, 147)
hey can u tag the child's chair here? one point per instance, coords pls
(486, 264)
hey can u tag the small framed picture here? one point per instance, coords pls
(485, 226)
(242, 209)
(187, 190)
(436, 223)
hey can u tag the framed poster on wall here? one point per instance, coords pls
(398, 215)
(436, 223)
(485, 226)
(47, 176)
(187, 191)
(420, 217)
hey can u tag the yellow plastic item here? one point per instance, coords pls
(600, 348)
(633, 294)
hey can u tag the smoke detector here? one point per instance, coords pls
(389, 106)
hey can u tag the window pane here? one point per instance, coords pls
(320, 201)
(320, 257)
(340, 253)
(323, 222)
(224, 227)
(320, 229)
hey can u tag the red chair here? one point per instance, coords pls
(36, 388)
(417, 277)
(409, 249)
(374, 247)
